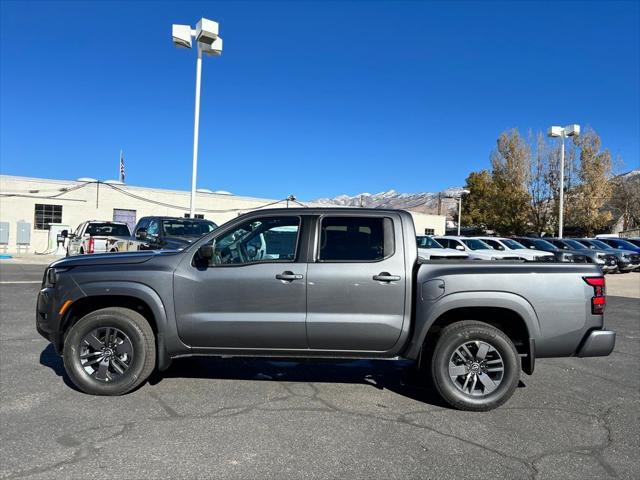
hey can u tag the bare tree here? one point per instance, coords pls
(594, 191)
(540, 187)
(510, 170)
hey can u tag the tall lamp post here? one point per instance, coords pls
(568, 131)
(209, 43)
(462, 193)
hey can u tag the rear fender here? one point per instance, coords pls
(427, 312)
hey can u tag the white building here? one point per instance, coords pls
(29, 205)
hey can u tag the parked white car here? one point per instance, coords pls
(508, 245)
(476, 249)
(429, 249)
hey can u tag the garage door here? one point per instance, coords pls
(127, 216)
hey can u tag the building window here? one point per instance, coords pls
(46, 214)
(429, 231)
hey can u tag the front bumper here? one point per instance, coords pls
(597, 343)
(47, 317)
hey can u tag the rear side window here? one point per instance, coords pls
(357, 239)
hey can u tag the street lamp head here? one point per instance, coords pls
(206, 31)
(214, 50)
(555, 131)
(181, 35)
(572, 130)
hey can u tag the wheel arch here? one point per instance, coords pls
(135, 296)
(508, 312)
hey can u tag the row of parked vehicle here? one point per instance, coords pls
(150, 233)
(174, 233)
(612, 254)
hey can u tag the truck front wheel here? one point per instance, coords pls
(109, 351)
(474, 366)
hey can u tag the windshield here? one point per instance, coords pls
(107, 229)
(512, 244)
(187, 228)
(475, 244)
(575, 244)
(428, 242)
(542, 245)
(623, 244)
(599, 244)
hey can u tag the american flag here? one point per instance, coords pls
(121, 166)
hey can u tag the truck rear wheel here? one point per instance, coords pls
(109, 351)
(474, 366)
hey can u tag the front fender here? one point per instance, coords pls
(166, 329)
(427, 312)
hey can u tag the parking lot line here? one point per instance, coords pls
(9, 282)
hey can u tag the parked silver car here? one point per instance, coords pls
(509, 245)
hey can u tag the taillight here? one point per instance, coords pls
(90, 246)
(599, 299)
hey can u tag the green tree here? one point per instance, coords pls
(477, 206)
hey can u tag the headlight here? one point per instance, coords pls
(567, 257)
(51, 277)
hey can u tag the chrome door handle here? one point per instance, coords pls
(386, 277)
(288, 276)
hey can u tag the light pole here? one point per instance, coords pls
(463, 192)
(209, 43)
(568, 131)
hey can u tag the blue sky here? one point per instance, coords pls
(315, 99)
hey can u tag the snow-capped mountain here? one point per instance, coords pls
(425, 202)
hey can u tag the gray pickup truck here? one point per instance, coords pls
(320, 282)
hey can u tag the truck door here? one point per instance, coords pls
(252, 294)
(356, 283)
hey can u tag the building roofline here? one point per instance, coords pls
(133, 187)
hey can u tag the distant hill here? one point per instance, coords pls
(424, 202)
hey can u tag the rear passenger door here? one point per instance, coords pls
(356, 283)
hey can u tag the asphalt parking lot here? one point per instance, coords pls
(574, 418)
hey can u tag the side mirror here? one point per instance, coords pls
(206, 252)
(141, 234)
(460, 247)
(64, 233)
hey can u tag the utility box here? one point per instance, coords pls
(4, 233)
(23, 233)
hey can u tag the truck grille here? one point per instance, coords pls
(610, 260)
(634, 258)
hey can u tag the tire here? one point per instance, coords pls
(453, 371)
(120, 340)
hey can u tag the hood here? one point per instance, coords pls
(120, 258)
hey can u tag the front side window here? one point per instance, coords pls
(153, 228)
(357, 239)
(270, 239)
(46, 214)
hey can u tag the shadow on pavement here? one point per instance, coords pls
(400, 377)
(49, 358)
